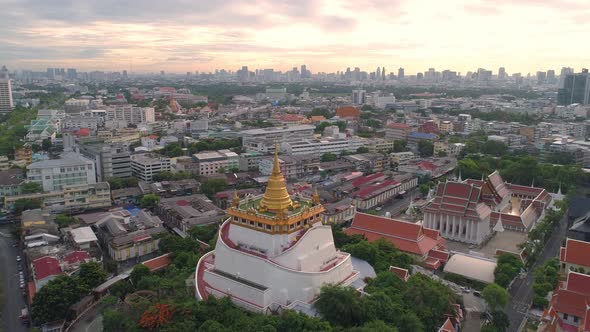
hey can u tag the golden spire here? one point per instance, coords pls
(276, 197)
(315, 197)
(236, 200)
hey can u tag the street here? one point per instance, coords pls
(396, 205)
(522, 290)
(11, 292)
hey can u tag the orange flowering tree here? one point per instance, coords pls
(156, 316)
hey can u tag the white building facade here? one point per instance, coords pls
(55, 174)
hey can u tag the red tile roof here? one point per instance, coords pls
(367, 179)
(76, 256)
(375, 189)
(396, 125)
(458, 199)
(406, 236)
(427, 165)
(46, 266)
(348, 112)
(403, 274)
(447, 326)
(573, 296)
(431, 263)
(576, 252)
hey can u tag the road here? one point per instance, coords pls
(11, 293)
(522, 290)
(396, 205)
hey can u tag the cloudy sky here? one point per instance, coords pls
(327, 35)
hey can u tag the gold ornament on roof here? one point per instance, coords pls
(276, 197)
(315, 197)
(236, 200)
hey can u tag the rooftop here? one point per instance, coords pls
(67, 159)
(11, 177)
(471, 267)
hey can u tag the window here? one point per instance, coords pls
(565, 316)
(575, 319)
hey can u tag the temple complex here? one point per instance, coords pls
(470, 211)
(273, 252)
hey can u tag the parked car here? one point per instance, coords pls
(477, 293)
(18, 259)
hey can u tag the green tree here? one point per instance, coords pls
(425, 148)
(92, 274)
(55, 298)
(31, 187)
(221, 170)
(213, 186)
(494, 148)
(329, 157)
(399, 145)
(46, 144)
(23, 204)
(321, 112)
(339, 305)
(63, 220)
(362, 149)
(495, 296)
(115, 183)
(139, 272)
(507, 268)
(149, 201)
(424, 188)
(117, 321)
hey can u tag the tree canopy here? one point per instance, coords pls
(149, 201)
(495, 296)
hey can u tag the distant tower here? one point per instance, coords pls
(6, 103)
(383, 74)
(400, 73)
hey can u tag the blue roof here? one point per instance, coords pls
(134, 210)
(417, 134)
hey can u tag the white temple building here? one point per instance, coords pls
(273, 253)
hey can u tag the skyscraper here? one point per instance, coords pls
(383, 74)
(6, 104)
(502, 73)
(541, 77)
(576, 89)
(551, 76)
(72, 73)
(378, 73)
(400, 73)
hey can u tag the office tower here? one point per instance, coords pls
(502, 73)
(359, 96)
(484, 75)
(400, 73)
(163, 73)
(551, 76)
(383, 74)
(419, 76)
(243, 74)
(124, 74)
(6, 103)
(378, 73)
(576, 89)
(541, 77)
(72, 73)
(50, 73)
(563, 74)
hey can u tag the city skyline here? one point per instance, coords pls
(326, 36)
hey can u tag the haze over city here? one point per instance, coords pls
(180, 36)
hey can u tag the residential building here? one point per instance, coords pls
(359, 96)
(130, 238)
(413, 239)
(415, 137)
(145, 166)
(273, 252)
(74, 198)
(263, 140)
(4, 164)
(44, 270)
(185, 212)
(449, 149)
(76, 106)
(371, 191)
(379, 145)
(130, 114)
(23, 156)
(76, 122)
(402, 157)
(37, 221)
(249, 161)
(568, 308)
(6, 102)
(319, 147)
(368, 162)
(10, 183)
(82, 238)
(276, 94)
(341, 212)
(574, 256)
(446, 127)
(110, 159)
(55, 174)
(169, 188)
(292, 167)
(397, 131)
(383, 100)
(213, 162)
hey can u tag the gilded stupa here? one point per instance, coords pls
(273, 252)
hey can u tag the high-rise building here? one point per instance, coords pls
(502, 73)
(400, 73)
(541, 77)
(551, 76)
(564, 72)
(378, 73)
(383, 74)
(6, 103)
(576, 89)
(359, 96)
(72, 73)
